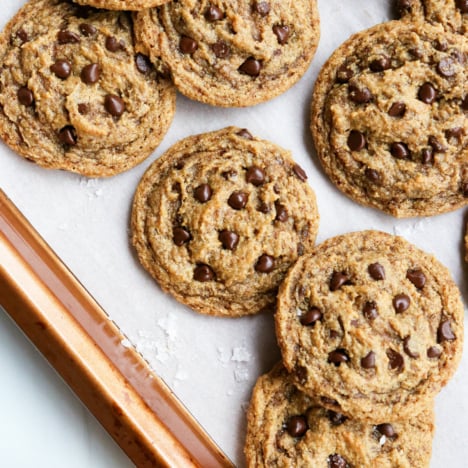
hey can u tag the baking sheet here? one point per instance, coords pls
(212, 363)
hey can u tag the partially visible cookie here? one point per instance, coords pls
(134, 5)
(231, 53)
(370, 325)
(74, 93)
(219, 219)
(286, 428)
(389, 118)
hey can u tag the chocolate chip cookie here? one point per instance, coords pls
(219, 219)
(75, 95)
(231, 53)
(287, 428)
(370, 325)
(389, 118)
(134, 5)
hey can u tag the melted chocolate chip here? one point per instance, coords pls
(446, 67)
(91, 73)
(387, 430)
(244, 133)
(417, 277)
(25, 96)
(299, 172)
(67, 135)
(381, 64)
(403, 7)
(251, 67)
(213, 13)
(180, 236)
(262, 8)
(238, 200)
(87, 30)
(61, 69)
(401, 302)
(336, 419)
(263, 208)
(265, 264)
(356, 140)
(427, 93)
(220, 49)
(281, 213)
(377, 271)
(397, 109)
(255, 176)
(281, 33)
(337, 280)
(22, 35)
(187, 45)
(434, 352)
(427, 156)
(113, 44)
(360, 95)
(142, 63)
(114, 105)
(407, 349)
(297, 426)
(203, 273)
(67, 37)
(83, 108)
(395, 360)
(370, 310)
(456, 133)
(444, 332)
(229, 239)
(338, 356)
(462, 5)
(368, 361)
(372, 175)
(203, 193)
(400, 150)
(337, 461)
(436, 145)
(311, 316)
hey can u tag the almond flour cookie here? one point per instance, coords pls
(135, 5)
(389, 119)
(75, 95)
(231, 53)
(370, 325)
(286, 428)
(220, 218)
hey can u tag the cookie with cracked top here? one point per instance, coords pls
(231, 53)
(370, 325)
(74, 92)
(388, 117)
(286, 427)
(134, 5)
(220, 217)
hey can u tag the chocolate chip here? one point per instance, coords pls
(370, 310)
(360, 95)
(436, 145)
(455, 133)
(113, 44)
(427, 156)
(444, 332)
(262, 8)
(395, 360)
(327, 401)
(407, 349)
(300, 173)
(281, 213)
(203, 193)
(372, 175)
(83, 109)
(297, 426)
(114, 105)
(377, 271)
(142, 63)
(67, 37)
(344, 73)
(22, 35)
(401, 302)
(25, 96)
(417, 277)
(446, 67)
(434, 352)
(356, 140)
(400, 150)
(368, 361)
(338, 356)
(397, 109)
(255, 176)
(462, 5)
(187, 45)
(213, 13)
(337, 280)
(251, 67)
(265, 264)
(203, 273)
(427, 93)
(244, 133)
(180, 236)
(403, 7)
(311, 316)
(263, 208)
(220, 49)
(282, 33)
(380, 64)
(387, 430)
(67, 135)
(464, 104)
(61, 69)
(229, 239)
(91, 73)
(87, 30)
(336, 419)
(337, 461)
(238, 200)
(416, 53)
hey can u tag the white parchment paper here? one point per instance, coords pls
(212, 363)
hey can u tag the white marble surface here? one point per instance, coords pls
(212, 363)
